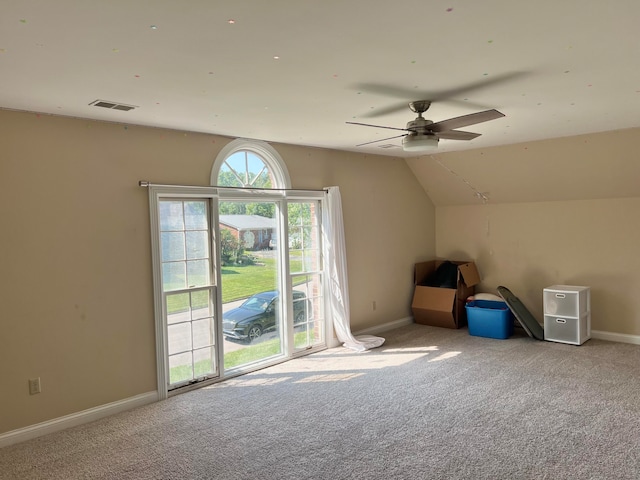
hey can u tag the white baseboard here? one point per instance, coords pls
(597, 334)
(385, 327)
(75, 419)
(615, 337)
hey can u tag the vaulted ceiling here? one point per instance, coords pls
(294, 71)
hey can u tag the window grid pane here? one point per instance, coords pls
(190, 335)
(245, 169)
(186, 263)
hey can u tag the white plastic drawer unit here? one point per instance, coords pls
(571, 330)
(566, 300)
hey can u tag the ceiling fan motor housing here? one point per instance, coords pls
(418, 125)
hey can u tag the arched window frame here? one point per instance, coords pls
(267, 154)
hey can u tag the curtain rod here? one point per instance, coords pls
(146, 184)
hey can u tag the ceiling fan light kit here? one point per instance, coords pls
(419, 142)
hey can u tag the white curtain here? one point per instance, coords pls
(336, 267)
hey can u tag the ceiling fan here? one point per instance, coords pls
(422, 134)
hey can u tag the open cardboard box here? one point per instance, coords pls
(443, 307)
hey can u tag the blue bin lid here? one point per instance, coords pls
(492, 304)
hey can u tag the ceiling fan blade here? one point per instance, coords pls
(387, 90)
(378, 112)
(486, 82)
(398, 107)
(465, 120)
(458, 135)
(408, 93)
(376, 126)
(434, 96)
(381, 140)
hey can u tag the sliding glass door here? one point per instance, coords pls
(238, 280)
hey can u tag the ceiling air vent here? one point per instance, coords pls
(112, 105)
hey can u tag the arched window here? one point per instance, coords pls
(249, 164)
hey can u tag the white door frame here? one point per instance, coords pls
(214, 194)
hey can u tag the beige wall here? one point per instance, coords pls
(529, 246)
(558, 211)
(594, 166)
(75, 288)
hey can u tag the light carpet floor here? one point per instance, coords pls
(431, 403)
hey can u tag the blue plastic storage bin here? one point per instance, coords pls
(487, 318)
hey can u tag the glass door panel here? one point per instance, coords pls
(305, 264)
(251, 302)
(308, 311)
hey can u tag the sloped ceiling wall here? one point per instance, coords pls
(595, 166)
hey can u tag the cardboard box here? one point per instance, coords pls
(443, 307)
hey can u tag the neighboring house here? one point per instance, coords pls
(253, 231)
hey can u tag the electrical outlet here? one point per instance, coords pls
(374, 304)
(34, 386)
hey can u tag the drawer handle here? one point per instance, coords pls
(560, 320)
(560, 295)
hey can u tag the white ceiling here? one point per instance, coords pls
(554, 68)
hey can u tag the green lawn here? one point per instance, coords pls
(262, 350)
(243, 281)
(251, 353)
(248, 354)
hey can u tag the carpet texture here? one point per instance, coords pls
(431, 403)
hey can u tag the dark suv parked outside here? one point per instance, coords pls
(258, 315)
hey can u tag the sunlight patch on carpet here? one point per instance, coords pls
(330, 377)
(445, 356)
(339, 360)
(252, 382)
